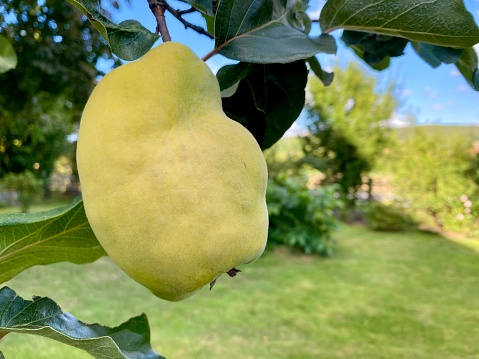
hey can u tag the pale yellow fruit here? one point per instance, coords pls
(173, 189)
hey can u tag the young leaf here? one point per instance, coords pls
(29, 239)
(438, 22)
(325, 77)
(8, 57)
(204, 6)
(129, 40)
(210, 23)
(436, 55)
(269, 98)
(468, 66)
(42, 316)
(374, 49)
(265, 31)
(230, 75)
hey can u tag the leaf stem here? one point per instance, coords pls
(216, 50)
(157, 7)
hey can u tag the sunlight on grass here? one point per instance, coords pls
(402, 295)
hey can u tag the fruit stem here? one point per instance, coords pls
(157, 7)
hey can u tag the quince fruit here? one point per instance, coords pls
(173, 189)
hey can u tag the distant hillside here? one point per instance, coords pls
(467, 131)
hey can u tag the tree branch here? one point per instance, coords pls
(157, 7)
(179, 15)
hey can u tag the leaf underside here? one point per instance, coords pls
(438, 22)
(42, 316)
(129, 40)
(59, 235)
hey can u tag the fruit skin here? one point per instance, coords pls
(173, 189)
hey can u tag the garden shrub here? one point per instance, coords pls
(25, 185)
(387, 218)
(433, 180)
(300, 217)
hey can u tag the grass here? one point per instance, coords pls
(402, 295)
(43, 205)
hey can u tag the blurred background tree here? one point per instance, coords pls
(348, 128)
(42, 99)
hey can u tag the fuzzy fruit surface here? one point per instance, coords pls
(173, 189)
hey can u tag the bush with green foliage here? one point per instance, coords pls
(387, 218)
(26, 185)
(432, 179)
(300, 217)
(347, 134)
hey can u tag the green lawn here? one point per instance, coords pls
(388, 296)
(43, 205)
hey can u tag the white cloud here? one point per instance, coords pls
(476, 47)
(217, 62)
(442, 105)
(430, 93)
(314, 11)
(399, 120)
(455, 72)
(296, 131)
(462, 88)
(407, 93)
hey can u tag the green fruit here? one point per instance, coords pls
(173, 189)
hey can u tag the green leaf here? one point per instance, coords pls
(230, 75)
(42, 316)
(436, 55)
(325, 77)
(8, 57)
(29, 239)
(374, 49)
(265, 31)
(204, 6)
(438, 22)
(268, 99)
(468, 67)
(210, 23)
(129, 40)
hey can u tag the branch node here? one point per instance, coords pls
(179, 15)
(157, 7)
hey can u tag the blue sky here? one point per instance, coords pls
(439, 96)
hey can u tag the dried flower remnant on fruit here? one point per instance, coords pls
(232, 273)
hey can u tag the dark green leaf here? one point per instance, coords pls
(438, 22)
(29, 239)
(268, 99)
(8, 57)
(229, 75)
(374, 49)
(129, 40)
(42, 316)
(468, 66)
(436, 55)
(265, 31)
(325, 77)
